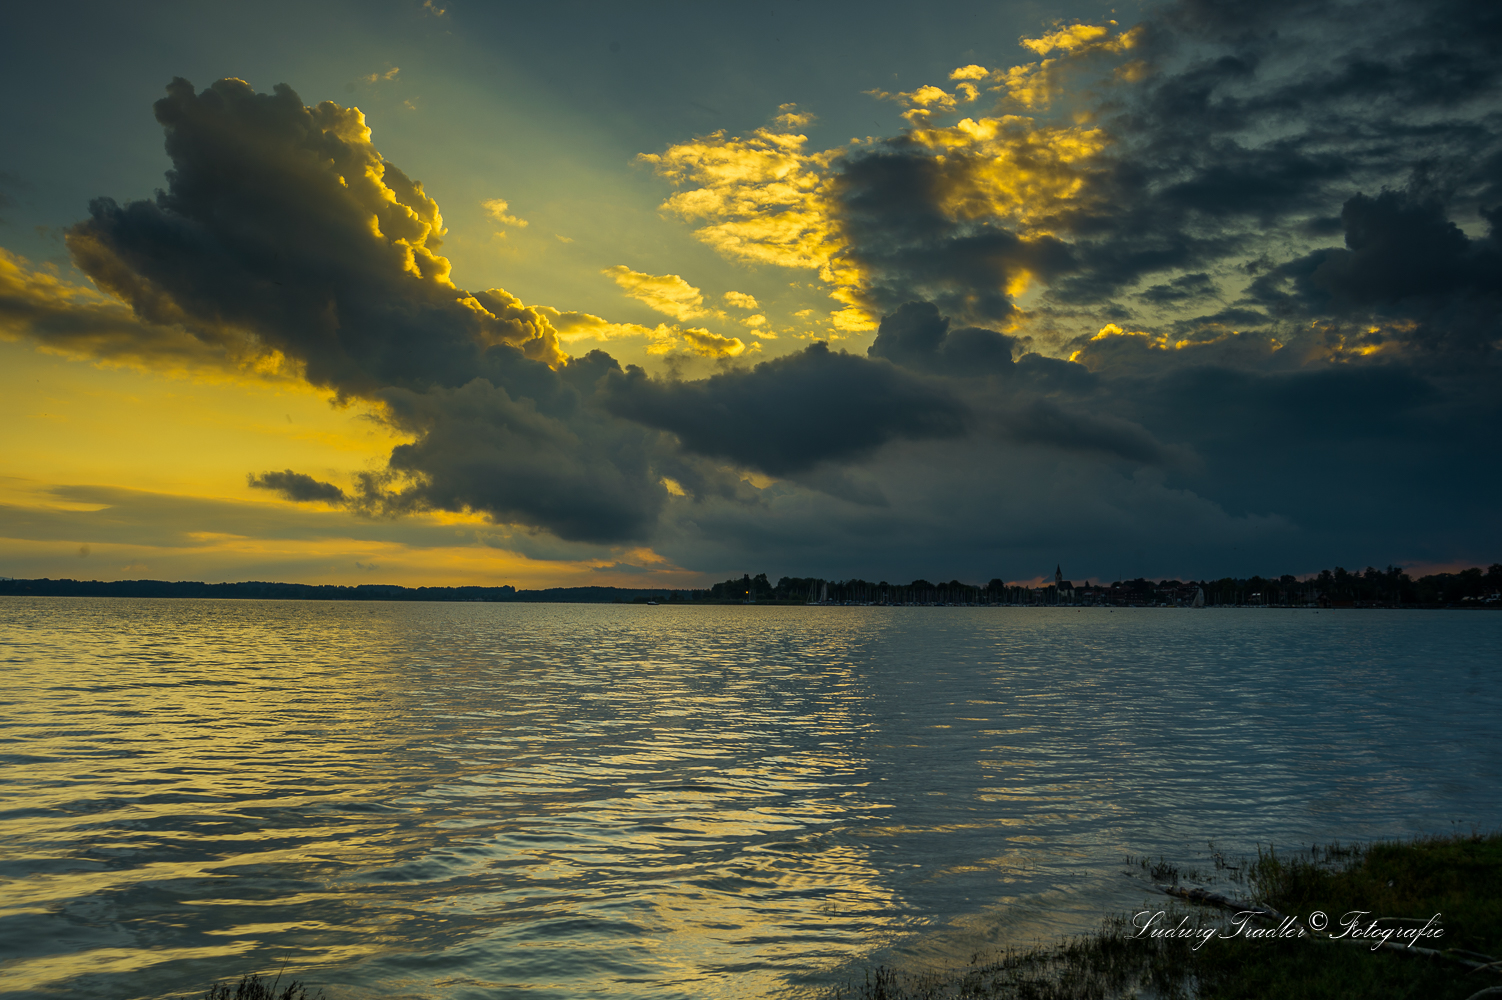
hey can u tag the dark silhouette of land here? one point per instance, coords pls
(313, 592)
(1471, 588)
(1338, 588)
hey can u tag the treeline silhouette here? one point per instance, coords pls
(1368, 586)
(317, 592)
(1338, 587)
(1390, 587)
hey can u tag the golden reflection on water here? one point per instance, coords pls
(450, 800)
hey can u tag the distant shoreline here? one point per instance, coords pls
(256, 590)
(260, 590)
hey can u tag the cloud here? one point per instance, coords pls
(1069, 39)
(666, 293)
(970, 72)
(917, 336)
(1214, 293)
(1146, 181)
(701, 342)
(140, 534)
(576, 326)
(284, 223)
(1043, 422)
(1400, 248)
(79, 321)
(390, 74)
(284, 228)
(497, 209)
(928, 100)
(791, 413)
(1027, 411)
(1180, 289)
(298, 487)
(982, 196)
(792, 118)
(763, 200)
(522, 460)
(1407, 281)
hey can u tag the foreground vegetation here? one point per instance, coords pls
(1402, 885)
(254, 987)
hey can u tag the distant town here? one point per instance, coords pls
(1337, 588)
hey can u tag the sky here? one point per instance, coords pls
(552, 295)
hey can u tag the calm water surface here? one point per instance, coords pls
(455, 801)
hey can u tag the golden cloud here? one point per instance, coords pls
(1011, 168)
(1036, 84)
(80, 322)
(383, 216)
(1209, 336)
(929, 100)
(764, 200)
(1070, 39)
(971, 72)
(504, 319)
(741, 300)
(666, 293)
(575, 326)
(792, 118)
(700, 342)
(497, 209)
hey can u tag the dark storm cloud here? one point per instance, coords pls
(1378, 457)
(1234, 316)
(1333, 404)
(1043, 422)
(792, 413)
(1397, 248)
(79, 321)
(283, 230)
(889, 207)
(1405, 261)
(480, 448)
(283, 221)
(1247, 124)
(1055, 375)
(1180, 289)
(1297, 421)
(298, 487)
(111, 515)
(1354, 100)
(917, 336)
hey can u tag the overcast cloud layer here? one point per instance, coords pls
(1216, 293)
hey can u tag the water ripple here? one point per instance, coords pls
(548, 801)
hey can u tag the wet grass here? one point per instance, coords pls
(254, 987)
(1403, 884)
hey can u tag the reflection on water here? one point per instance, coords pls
(491, 800)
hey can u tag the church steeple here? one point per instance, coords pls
(1058, 575)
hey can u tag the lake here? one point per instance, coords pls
(550, 801)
